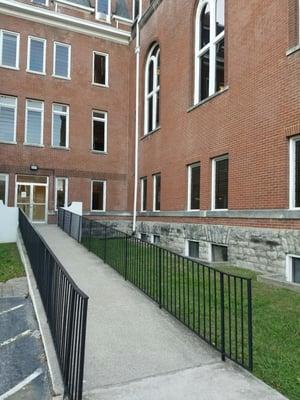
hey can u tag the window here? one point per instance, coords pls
(293, 269)
(209, 49)
(98, 196)
(194, 187)
(156, 192)
(42, 2)
(9, 49)
(144, 237)
(219, 253)
(99, 131)
(60, 125)
(103, 9)
(4, 188)
(8, 118)
(156, 239)
(152, 90)
(136, 8)
(62, 60)
(295, 172)
(34, 122)
(36, 57)
(220, 183)
(100, 69)
(193, 249)
(144, 194)
(61, 192)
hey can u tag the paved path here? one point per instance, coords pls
(134, 350)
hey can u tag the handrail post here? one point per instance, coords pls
(70, 226)
(222, 316)
(126, 257)
(79, 228)
(105, 244)
(250, 326)
(90, 238)
(160, 277)
(63, 220)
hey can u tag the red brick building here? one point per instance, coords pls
(180, 122)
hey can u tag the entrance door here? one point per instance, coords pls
(31, 197)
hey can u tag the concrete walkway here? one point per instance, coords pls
(135, 351)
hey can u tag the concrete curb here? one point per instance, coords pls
(54, 369)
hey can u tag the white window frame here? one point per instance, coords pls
(142, 180)
(289, 267)
(44, 41)
(66, 191)
(213, 183)
(55, 44)
(104, 195)
(42, 122)
(190, 167)
(6, 180)
(105, 120)
(67, 114)
(17, 67)
(292, 173)
(155, 91)
(106, 84)
(100, 16)
(14, 141)
(187, 248)
(154, 192)
(211, 47)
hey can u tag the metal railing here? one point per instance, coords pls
(65, 306)
(216, 305)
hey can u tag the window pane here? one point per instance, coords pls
(39, 1)
(193, 249)
(221, 200)
(97, 196)
(204, 76)
(297, 174)
(2, 188)
(150, 114)
(61, 193)
(61, 60)
(34, 126)
(7, 121)
(156, 239)
(9, 50)
(144, 237)
(296, 270)
(220, 66)
(99, 135)
(59, 130)
(157, 192)
(219, 253)
(102, 6)
(150, 77)
(220, 15)
(99, 69)
(36, 57)
(144, 197)
(157, 108)
(60, 108)
(195, 188)
(205, 26)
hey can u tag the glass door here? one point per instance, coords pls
(38, 203)
(32, 199)
(24, 198)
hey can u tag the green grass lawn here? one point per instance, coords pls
(276, 311)
(10, 262)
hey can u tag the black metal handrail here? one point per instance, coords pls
(65, 306)
(214, 304)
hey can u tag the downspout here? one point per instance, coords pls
(137, 119)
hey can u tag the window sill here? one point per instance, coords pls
(293, 50)
(60, 148)
(98, 211)
(150, 133)
(61, 77)
(219, 209)
(99, 152)
(208, 99)
(33, 145)
(7, 142)
(35, 72)
(100, 85)
(8, 67)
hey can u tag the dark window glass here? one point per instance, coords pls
(60, 193)
(296, 270)
(144, 205)
(221, 199)
(219, 253)
(98, 135)
(157, 192)
(102, 6)
(220, 66)
(144, 237)
(156, 239)
(2, 189)
(297, 174)
(136, 8)
(9, 49)
(100, 69)
(61, 60)
(193, 249)
(98, 196)
(39, 2)
(157, 108)
(150, 78)
(60, 126)
(36, 57)
(195, 187)
(220, 14)
(150, 114)
(204, 74)
(205, 26)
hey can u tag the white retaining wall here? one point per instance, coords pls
(8, 223)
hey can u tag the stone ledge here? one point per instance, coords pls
(278, 280)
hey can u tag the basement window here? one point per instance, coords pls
(193, 249)
(144, 237)
(293, 269)
(219, 253)
(156, 239)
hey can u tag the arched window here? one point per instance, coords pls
(152, 89)
(209, 48)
